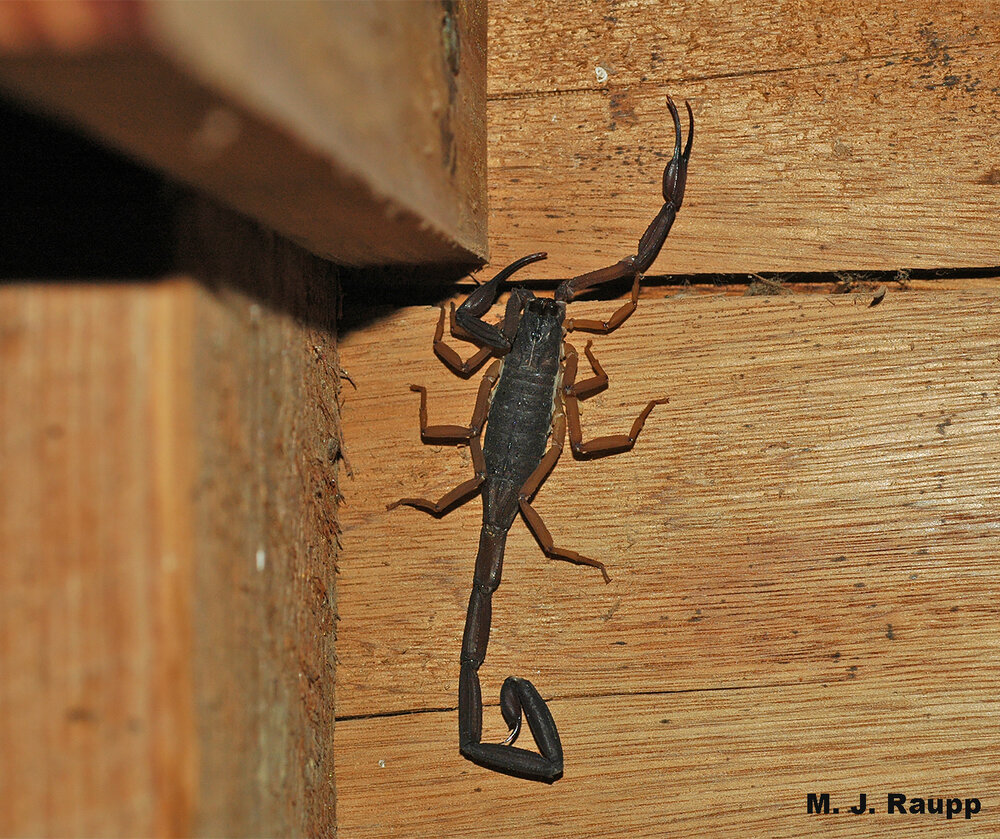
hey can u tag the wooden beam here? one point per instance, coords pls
(168, 534)
(854, 137)
(357, 130)
(97, 724)
(264, 377)
(810, 518)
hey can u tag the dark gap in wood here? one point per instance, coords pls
(406, 712)
(898, 276)
(72, 209)
(821, 280)
(372, 294)
(410, 712)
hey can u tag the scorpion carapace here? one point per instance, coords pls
(528, 401)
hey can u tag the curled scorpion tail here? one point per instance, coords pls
(515, 695)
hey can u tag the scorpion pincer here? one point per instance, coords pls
(527, 401)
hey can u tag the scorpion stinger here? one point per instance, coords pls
(528, 401)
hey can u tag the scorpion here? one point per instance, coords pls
(527, 400)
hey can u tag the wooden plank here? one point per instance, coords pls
(358, 130)
(168, 531)
(96, 715)
(715, 764)
(828, 136)
(823, 467)
(808, 521)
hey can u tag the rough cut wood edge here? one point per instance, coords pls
(843, 136)
(265, 378)
(339, 125)
(168, 534)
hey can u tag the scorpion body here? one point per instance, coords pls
(528, 400)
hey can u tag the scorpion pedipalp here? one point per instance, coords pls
(675, 174)
(674, 181)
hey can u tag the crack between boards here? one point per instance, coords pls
(409, 712)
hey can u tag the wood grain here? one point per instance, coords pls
(828, 136)
(717, 764)
(264, 383)
(97, 716)
(168, 535)
(810, 519)
(355, 129)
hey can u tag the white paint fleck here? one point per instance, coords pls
(261, 559)
(381, 763)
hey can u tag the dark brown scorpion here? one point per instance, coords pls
(528, 399)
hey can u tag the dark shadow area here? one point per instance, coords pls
(72, 209)
(369, 294)
(406, 285)
(373, 294)
(226, 251)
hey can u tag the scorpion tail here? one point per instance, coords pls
(516, 695)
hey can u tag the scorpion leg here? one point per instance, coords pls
(588, 387)
(610, 444)
(572, 393)
(674, 181)
(463, 492)
(535, 523)
(455, 433)
(621, 314)
(435, 434)
(544, 538)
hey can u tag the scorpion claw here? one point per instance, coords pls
(675, 175)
